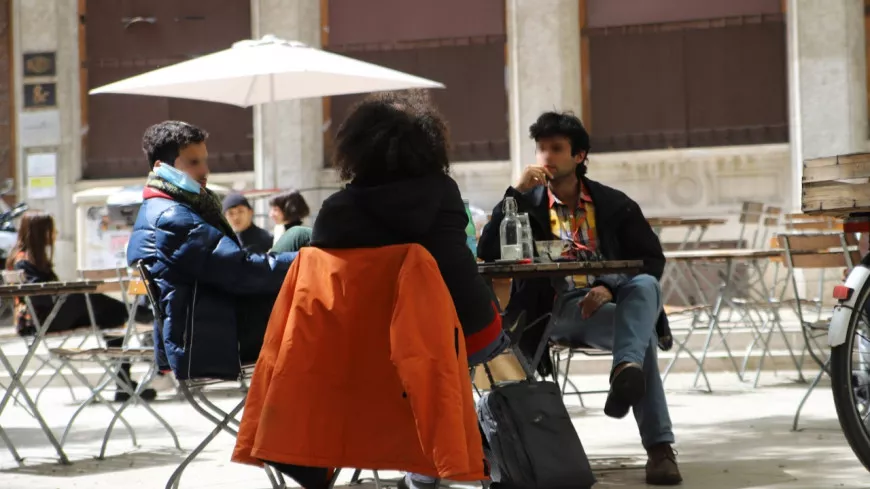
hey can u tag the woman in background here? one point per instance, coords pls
(287, 210)
(33, 257)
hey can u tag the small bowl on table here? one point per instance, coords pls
(551, 250)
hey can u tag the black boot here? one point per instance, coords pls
(122, 396)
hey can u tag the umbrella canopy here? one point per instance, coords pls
(268, 70)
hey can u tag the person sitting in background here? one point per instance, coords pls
(212, 293)
(33, 257)
(240, 215)
(287, 210)
(393, 148)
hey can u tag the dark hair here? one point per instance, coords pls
(36, 240)
(292, 205)
(162, 142)
(564, 124)
(391, 136)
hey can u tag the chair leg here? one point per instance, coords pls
(275, 478)
(134, 397)
(335, 474)
(377, 479)
(175, 478)
(10, 446)
(95, 395)
(797, 415)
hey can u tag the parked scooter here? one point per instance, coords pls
(8, 216)
(8, 235)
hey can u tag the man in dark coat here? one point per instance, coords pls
(214, 297)
(240, 215)
(618, 312)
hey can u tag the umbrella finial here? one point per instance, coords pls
(268, 39)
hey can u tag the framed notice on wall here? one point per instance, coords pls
(39, 64)
(42, 175)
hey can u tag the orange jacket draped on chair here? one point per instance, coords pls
(364, 366)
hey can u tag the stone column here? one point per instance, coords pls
(288, 136)
(543, 67)
(827, 81)
(50, 26)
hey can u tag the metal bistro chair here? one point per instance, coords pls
(110, 360)
(818, 251)
(193, 392)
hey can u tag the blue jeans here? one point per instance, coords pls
(627, 327)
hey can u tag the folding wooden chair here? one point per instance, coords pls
(111, 359)
(816, 251)
(751, 214)
(194, 393)
(113, 280)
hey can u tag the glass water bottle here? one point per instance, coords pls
(510, 232)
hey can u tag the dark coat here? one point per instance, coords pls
(623, 234)
(427, 211)
(255, 239)
(214, 297)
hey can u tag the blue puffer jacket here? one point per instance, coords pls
(206, 281)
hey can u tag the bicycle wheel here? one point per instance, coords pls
(850, 379)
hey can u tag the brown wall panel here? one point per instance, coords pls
(374, 21)
(611, 13)
(718, 83)
(182, 29)
(461, 44)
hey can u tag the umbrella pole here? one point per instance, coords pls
(274, 142)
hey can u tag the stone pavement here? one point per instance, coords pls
(735, 438)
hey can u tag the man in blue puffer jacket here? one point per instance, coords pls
(214, 296)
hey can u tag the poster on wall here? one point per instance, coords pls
(105, 243)
(41, 176)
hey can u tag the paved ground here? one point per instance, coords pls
(735, 438)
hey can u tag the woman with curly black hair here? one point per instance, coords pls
(393, 149)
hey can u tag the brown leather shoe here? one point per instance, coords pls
(661, 466)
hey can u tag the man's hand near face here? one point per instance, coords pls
(593, 300)
(533, 176)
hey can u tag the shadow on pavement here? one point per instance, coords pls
(91, 466)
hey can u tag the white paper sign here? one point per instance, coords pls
(39, 128)
(42, 176)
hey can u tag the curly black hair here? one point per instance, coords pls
(564, 124)
(391, 136)
(162, 142)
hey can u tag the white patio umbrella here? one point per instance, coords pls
(268, 70)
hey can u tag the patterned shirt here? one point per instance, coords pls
(576, 226)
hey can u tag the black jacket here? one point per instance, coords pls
(623, 234)
(255, 239)
(428, 211)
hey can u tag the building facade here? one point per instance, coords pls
(693, 106)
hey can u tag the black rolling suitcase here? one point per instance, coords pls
(530, 441)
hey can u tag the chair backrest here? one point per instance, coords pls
(804, 222)
(718, 244)
(770, 223)
(136, 287)
(113, 278)
(751, 212)
(820, 250)
(152, 291)
(750, 215)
